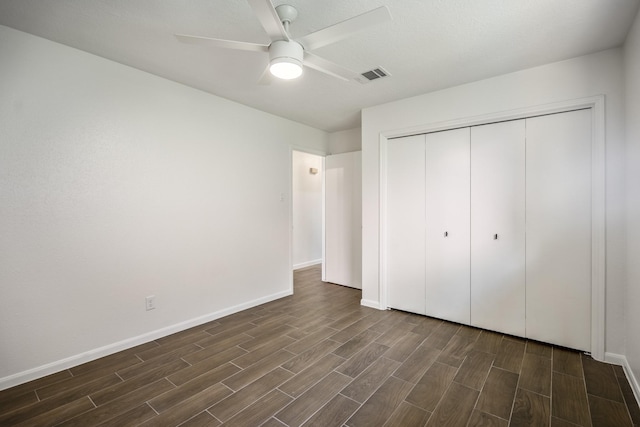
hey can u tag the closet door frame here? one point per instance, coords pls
(598, 247)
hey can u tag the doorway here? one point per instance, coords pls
(307, 222)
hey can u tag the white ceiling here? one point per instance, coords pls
(429, 44)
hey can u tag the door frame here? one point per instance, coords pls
(598, 236)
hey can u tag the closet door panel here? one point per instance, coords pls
(498, 227)
(559, 229)
(447, 225)
(405, 224)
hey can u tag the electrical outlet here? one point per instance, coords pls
(150, 302)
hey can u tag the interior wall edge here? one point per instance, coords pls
(88, 356)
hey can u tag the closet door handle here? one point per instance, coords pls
(495, 237)
(446, 233)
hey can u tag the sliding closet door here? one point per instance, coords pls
(498, 227)
(405, 224)
(559, 229)
(447, 225)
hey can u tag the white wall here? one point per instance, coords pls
(345, 141)
(307, 209)
(116, 184)
(600, 73)
(632, 104)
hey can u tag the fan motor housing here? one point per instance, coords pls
(286, 50)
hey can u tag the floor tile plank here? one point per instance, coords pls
(474, 369)
(536, 374)
(203, 419)
(219, 347)
(407, 415)
(334, 413)
(539, 349)
(379, 407)
(368, 382)
(133, 417)
(455, 351)
(440, 337)
(608, 413)
(567, 362)
(196, 385)
(302, 408)
(261, 410)
(255, 371)
(189, 405)
(396, 332)
(630, 399)
(15, 401)
(308, 357)
(498, 393)
(101, 397)
(355, 344)
(601, 380)
(152, 364)
(32, 386)
(530, 409)
(191, 372)
(230, 406)
(488, 342)
(308, 377)
(403, 347)
(455, 408)
(417, 364)
(576, 409)
(481, 419)
(175, 344)
(61, 413)
(362, 360)
(311, 340)
(510, 355)
(121, 405)
(430, 389)
(79, 386)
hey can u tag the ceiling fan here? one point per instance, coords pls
(287, 56)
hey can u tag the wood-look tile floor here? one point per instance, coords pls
(318, 358)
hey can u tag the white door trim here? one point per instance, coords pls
(598, 236)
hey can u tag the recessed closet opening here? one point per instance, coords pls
(498, 222)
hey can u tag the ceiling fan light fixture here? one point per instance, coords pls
(285, 68)
(285, 59)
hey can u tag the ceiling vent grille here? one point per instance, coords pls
(375, 74)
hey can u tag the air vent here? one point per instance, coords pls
(375, 74)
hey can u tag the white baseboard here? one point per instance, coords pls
(620, 359)
(371, 304)
(88, 356)
(307, 264)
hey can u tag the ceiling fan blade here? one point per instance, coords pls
(328, 67)
(266, 78)
(226, 44)
(269, 19)
(345, 28)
